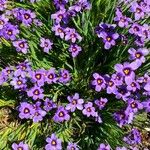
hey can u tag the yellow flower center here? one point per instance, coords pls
(36, 92)
(133, 105)
(9, 32)
(110, 83)
(1, 22)
(126, 71)
(19, 82)
(61, 114)
(99, 81)
(21, 45)
(60, 30)
(50, 76)
(74, 102)
(108, 39)
(38, 76)
(53, 142)
(26, 16)
(133, 84)
(89, 109)
(19, 148)
(26, 110)
(138, 55)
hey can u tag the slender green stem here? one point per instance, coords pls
(75, 67)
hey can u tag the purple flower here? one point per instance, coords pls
(137, 10)
(145, 4)
(145, 32)
(59, 16)
(135, 29)
(39, 113)
(109, 40)
(72, 35)
(64, 76)
(80, 6)
(36, 93)
(135, 148)
(20, 146)
(74, 49)
(20, 73)
(123, 21)
(59, 31)
(147, 86)
(84, 4)
(61, 115)
(3, 5)
(27, 17)
(140, 42)
(38, 76)
(53, 143)
(22, 69)
(18, 83)
(104, 28)
(145, 79)
(101, 102)
(10, 31)
(21, 46)
(127, 69)
(75, 103)
(89, 110)
(60, 3)
(49, 104)
(17, 13)
(133, 137)
(7, 72)
(72, 146)
(124, 39)
(132, 85)
(107, 33)
(123, 117)
(134, 105)
(51, 76)
(103, 146)
(122, 93)
(98, 119)
(37, 22)
(24, 66)
(46, 44)
(146, 105)
(26, 110)
(111, 85)
(121, 148)
(138, 54)
(3, 21)
(98, 82)
(118, 78)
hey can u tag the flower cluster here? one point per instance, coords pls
(133, 138)
(108, 34)
(18, 77)
(10, 31)
(61, 19)
(140, 10)
(125, 85)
